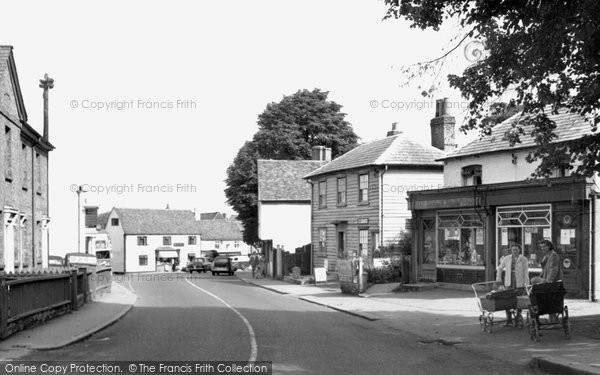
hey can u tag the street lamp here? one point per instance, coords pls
(80, 190)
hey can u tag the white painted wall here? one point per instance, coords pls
(115, 233)
(229, 245)
(286, 224)
(155, 241)
(495, 168)
(395, 185)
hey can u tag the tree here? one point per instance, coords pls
(287, 131)
(548, 51)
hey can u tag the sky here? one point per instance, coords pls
(153, 99)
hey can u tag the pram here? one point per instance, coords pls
(547, 298)
(491, 298)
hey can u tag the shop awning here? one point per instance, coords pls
(167, 254)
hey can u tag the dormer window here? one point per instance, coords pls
(471, 175)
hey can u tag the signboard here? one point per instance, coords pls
(320, 275)
(80, 259)
(344, 268)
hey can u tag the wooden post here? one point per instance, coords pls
(74, 306)
(85, 285)
(3, 308)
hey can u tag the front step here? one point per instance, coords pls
(418, 287)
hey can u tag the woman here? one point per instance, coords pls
(516, 274)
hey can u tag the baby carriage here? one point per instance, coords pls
(490, 298)
(547, 298)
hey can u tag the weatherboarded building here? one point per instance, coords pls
(359, 199)
(24, 234)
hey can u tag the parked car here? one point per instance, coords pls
(55, 261)
(240, 262)
(222, 264)
(198, 264)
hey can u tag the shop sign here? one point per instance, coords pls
(344, 268)
(442, 203)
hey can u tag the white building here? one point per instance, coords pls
(146, 240)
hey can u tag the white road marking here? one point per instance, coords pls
(253, 346)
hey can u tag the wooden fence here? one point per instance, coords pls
(301, 258)
(29, 299)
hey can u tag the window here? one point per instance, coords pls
(363, 188)
(322, 250)
(363, 242)
(341, 190)
(38, 167)
(471, 175)
(323, 194)
(461, 240)
(525, 226)
(191, 240)
(142, 241)
(218, 244)
(236, 244)
(166, 240)
(143, 260)
(100, 244)
(114, 222)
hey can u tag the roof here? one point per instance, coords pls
(282, 180)
(212, 216)
(225, 230)
(569, 126)
(393, 150)
(157, 221)
(102, 220)
(5, 52)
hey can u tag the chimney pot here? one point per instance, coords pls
(394, 130)
(321, 153)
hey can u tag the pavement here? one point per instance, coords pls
(437, 316)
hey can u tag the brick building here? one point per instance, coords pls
(23, 175)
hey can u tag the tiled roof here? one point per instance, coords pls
(281, 180)
(212, 216)
(225, 230)
(155, 221)
(569, 126)
(394, 150)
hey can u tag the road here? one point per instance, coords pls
(204, 317)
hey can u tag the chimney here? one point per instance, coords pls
(167, 208)
(47, 83)
(442, 127)
(394, 131)
(91, 216)
(196, 214)
(321, 153)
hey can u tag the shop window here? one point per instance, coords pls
(525, 226)
(143, 260)
(363, 188)
(471, 175)
(323, 194)
(341, 191)
(142, 241)
(461, 239)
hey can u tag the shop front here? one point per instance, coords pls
(461, 233)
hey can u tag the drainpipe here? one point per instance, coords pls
(381, 205)
(594, 219)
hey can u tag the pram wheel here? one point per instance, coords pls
(489, 322)
(518, 320)
(482, 322)
(565, 322)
